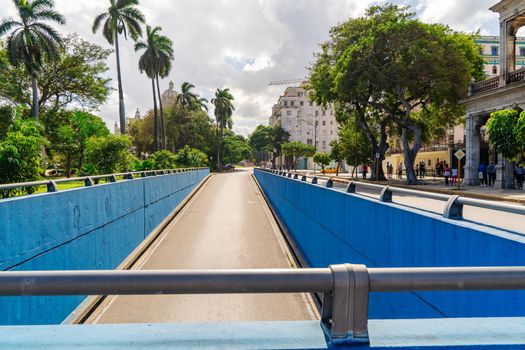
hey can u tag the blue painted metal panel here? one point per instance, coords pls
(450, 334)
(331, 227)
(82, 229)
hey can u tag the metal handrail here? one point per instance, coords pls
(345, 288)
(88, 180)
(454, 203)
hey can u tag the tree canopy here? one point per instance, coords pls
(387, 67)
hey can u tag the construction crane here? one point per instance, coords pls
(288, 82)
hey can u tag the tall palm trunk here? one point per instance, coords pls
(162, 122)
(155, 117)
(219, 167)
(122, 110)
(34, 108)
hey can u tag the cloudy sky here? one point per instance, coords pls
(245, 44)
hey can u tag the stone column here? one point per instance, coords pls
(472, 146)
(503, 43)
(511, 53)
(505, 174)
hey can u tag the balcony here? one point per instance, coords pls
(514, 77)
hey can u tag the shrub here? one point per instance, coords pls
(191, 157)
(163, 160)
(20, 155)
(109, 154)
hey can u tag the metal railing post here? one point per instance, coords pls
(453, 209)
(351, 187)
(88, 182)
(303, 178)
(112, 178)
(314, 180)
(296, 176)
(330, 183)
(344, 316)
(386, 195)
(51, 186)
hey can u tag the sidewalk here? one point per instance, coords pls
(438, 186)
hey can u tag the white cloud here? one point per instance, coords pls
(244, 44)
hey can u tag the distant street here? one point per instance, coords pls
(226, 225)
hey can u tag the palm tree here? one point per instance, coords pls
(164, 71)
(201, 104)
(154, 61)
(187, 98)
(31, 40)
(122, 18)
(223, 103)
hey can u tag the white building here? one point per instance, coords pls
(304, 120)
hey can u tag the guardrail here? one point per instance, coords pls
(454, 203)
(52, 185)
(345, 288)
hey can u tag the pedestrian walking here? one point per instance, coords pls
(520, 176)
(454, 176)
(481, 171)
(388, 170)
(400, 171)
(491, 171)
(365, 171)
(446, 174)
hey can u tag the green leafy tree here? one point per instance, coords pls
(296, 150)
(158, 53)
(109, 154)
(235, 148)
(6, 119)
(269, 139)
(191, 157)
(163, 160)
(76, 77)
(20, 158)
(122, 17)
(193, 128)
(501, 129)
(519, 132)
(355, 145)
(322, 159)
(223, 103)
(395, 65)
(31, 40)
(337, 154)
(73, 137)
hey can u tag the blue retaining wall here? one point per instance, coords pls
(330, 226)
(88, 228)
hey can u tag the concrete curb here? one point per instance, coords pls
(462, 193)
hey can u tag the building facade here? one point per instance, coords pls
(490, 50)
(129, 120)
(306, 121)
(504, 90)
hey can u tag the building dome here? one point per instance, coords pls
(169, 96)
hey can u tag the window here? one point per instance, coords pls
(288, 113)
(285, 103)
(301, 103)
(331, 132)
(331, 122)
(316, 113)
(324, 144)
(311, 104)
(522, 50)
(324, 123)
(494, 51)
(292, 103)
(494, 70)
(324, 113)
(309, 142)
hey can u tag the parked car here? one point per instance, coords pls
(228, 167)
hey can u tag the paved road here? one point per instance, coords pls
(226, 225)
(492, 218)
